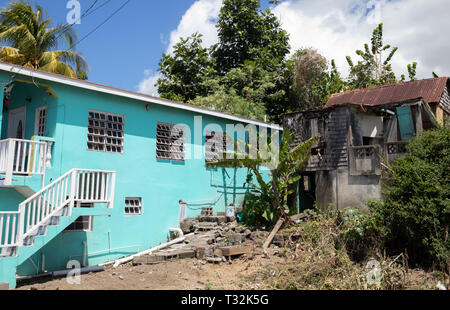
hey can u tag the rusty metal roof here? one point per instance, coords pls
(429, 89)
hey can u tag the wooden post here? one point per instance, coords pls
(273, 233)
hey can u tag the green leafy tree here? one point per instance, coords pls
(411, 72)
(415, 215)
(184, 71)
(242, 91)
(269, 200)
(245, 73)
(245, 33)
(313, 82)
(372, 69)
(32, 41)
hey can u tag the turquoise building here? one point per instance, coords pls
(94, 173)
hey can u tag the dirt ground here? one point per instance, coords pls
(191, 274)
(183, 274)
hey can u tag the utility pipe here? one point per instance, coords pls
(177, 230)
(82, 271)
(149, 251)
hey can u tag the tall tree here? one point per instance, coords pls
(313, 81)
(184, 71)
(32, 42)
(245, 33)
(372, 69)
(248, 64)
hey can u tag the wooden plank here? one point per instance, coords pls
(298, 217)
(235, 250)
(273, 233)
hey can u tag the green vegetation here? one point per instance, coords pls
(267, 201)
(32, 42)
(415, 215)
(246, 73)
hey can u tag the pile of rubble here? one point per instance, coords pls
(213, 239)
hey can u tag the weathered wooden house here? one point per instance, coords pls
(357, 129)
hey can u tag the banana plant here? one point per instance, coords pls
(284, 164)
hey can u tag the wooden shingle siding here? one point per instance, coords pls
(333, 127)
(445, 99)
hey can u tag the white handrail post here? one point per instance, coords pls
(73, 178)
(10, 162)
(44, 163)
(112, 190)
(21, 224)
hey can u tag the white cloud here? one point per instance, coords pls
(338, 28)
(201, 17)
(147, 85)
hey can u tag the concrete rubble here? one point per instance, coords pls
(215, 239)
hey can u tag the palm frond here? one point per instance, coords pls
(59, 67)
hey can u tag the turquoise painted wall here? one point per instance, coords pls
(10, 199)
(161, 184)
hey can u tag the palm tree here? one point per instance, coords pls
(32, 42)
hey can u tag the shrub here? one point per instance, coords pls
(415, 214)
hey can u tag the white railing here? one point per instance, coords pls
(8, 229)
(77, 185)
(22, 157)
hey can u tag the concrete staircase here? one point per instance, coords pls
(45, 214)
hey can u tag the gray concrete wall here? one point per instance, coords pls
(342, 190)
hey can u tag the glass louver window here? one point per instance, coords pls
(215, 146)
(133, 206)
(169, 142)
(105, 132)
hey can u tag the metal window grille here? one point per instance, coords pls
(133, 205)
(215, 146)
(83, 223)
(169, 142)
(105, 132)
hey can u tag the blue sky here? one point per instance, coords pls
(132, 41)
(126, 50)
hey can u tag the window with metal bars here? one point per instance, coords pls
(133, 205)
(215, 146)
(169, 142)
(105, 132)
(82, 223)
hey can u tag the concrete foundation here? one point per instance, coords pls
(340, 189)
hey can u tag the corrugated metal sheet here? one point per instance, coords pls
(429, 89)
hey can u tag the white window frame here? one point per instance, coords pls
(213, 137)
(168, 145)
(140, 206)
(90, 220)
(37, 123)
(105, 136)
